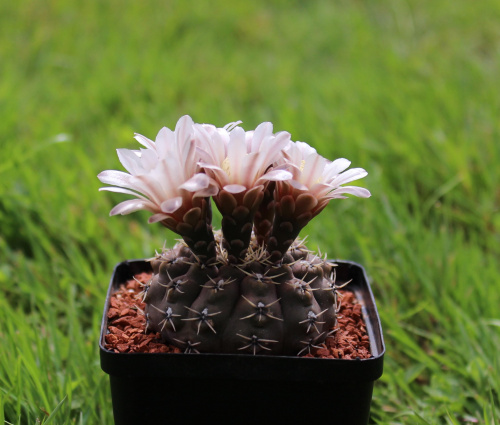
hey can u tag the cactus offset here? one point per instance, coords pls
(253, 287)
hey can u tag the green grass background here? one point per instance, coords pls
(407, 89)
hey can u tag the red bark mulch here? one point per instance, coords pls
(126, 327)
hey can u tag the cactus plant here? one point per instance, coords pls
(252, 287)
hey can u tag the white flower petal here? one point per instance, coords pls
(335, 167)
(130, 161)
(297, 185)
(205, 193)
(282, 140)
(148, 187)
(220, 141)
(157, 217)
(145, 141)
(249, 169)
(305, 149)
(169, 174)
(203, 139)
(236, 151)
(116, 178)
(171, 205)
(314, 165)
(349, 176)
(273, 148)
(361, 192)
(149, 159)
(129, 206)
(184, 129)
(195, 183)
(189, 157)
(295, 154)
(209, 166)
(165, 143)
(262, 131)
(276, 175)
(122, 190)
(320, 190)
(234, 188)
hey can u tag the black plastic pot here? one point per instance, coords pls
(165, 388)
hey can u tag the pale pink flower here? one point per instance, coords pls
(164, 176)
(242, 165)
(315, 181)
(319, 177)
(238, 160)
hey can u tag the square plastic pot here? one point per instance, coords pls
(165, 388)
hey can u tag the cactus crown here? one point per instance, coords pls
(252, 287)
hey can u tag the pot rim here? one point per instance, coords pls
(244, 366)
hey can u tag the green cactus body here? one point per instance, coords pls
(254, 307)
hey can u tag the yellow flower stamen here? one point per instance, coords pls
(226, 166)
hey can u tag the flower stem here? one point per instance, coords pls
(263, 220)
(196, 230)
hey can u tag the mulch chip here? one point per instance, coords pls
(349, 339)
(126, 327)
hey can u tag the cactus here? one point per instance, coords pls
(252, 287)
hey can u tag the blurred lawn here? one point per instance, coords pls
(407, 90)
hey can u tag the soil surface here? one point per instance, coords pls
(127, 327)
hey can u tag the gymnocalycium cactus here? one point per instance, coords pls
(253, 287)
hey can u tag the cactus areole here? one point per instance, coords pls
(252, 287)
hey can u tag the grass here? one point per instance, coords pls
(405, 89)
